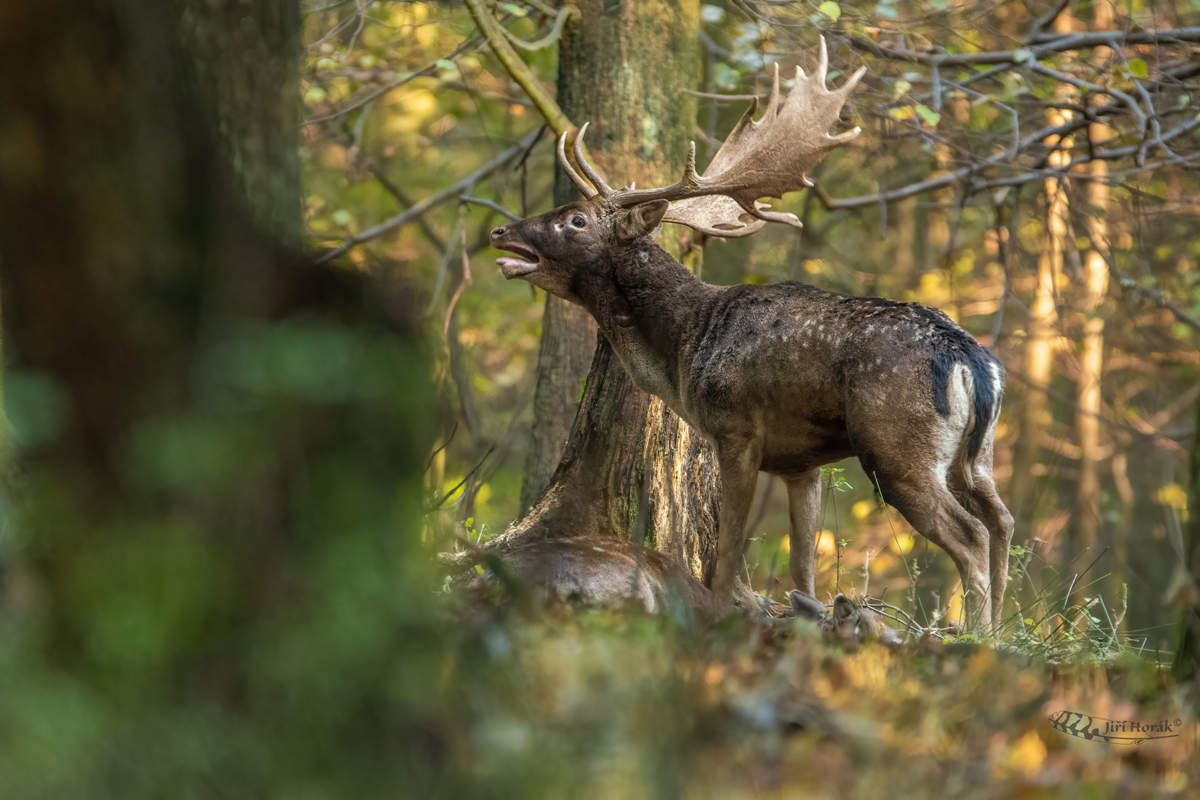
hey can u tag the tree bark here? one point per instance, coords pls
(1091, 358)
(1187, 654)
(568, 342)
(182, 500)
(246, 58)
(631, 468)
(1035, 413)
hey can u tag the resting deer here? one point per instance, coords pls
(783, 377)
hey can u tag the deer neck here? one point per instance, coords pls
(649, 307)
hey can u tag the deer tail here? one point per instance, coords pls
(982, 381)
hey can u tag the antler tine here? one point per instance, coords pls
(823, 65)
(603, 188)
(772, 103)
(760, 158)
(579, 182)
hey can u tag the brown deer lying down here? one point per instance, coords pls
(602, 572)
(783, 377)
(605, 571)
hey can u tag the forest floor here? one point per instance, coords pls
(616, 705)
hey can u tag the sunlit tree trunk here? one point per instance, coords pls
(631, 467)
(1035, 414)
(1091, 358)
(1187, 654)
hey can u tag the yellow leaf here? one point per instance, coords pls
(830, 9)
(1027, 754)
(1172, 495)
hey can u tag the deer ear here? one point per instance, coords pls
(641, 219)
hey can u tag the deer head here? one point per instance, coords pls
(761, 158)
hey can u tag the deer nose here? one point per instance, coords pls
(496, 232)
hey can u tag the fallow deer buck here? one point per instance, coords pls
(783, 377)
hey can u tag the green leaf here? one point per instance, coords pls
(830, 9)
(928, 114)
(444, 63)
(725, 76)
(515, 10)
(1021, 55)
(479, 569)
(1138, 68)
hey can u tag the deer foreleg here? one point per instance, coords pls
(739, 462)
(804, 508)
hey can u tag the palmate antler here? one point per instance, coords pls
(763, 158)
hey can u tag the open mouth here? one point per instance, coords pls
(516, 267)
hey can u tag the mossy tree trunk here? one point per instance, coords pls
(246, 58)
(631, 467)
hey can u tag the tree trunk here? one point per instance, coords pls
(188, 512)
(1035, 416)
(568, 342)
(246, 58)
(1091, 358)
(631, 468)
(1187, 654)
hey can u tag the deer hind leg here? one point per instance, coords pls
(739, 460)
(999, 523)
(985, 504)
(979, 496)
(804, 508)
(932, 509)
(925, 500)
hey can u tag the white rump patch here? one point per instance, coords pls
(950, 432)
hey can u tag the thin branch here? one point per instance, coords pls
(492, 205)
(443, 265)
(445, 444)
(1046, 20)
(715, 96)
(425, 72)
(1114, 39)
(962, 173)
(560, 19)
(466, 268)
(442, 500)
(1043, 46)
(423, 206)
(519, 70)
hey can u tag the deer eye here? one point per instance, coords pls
(578, 221)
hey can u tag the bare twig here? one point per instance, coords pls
(519, 70)
(560, 19)
(466, 267)
(420, 208)
(442, 500)
(490, 204)
(1043, 46)
(424, 72)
